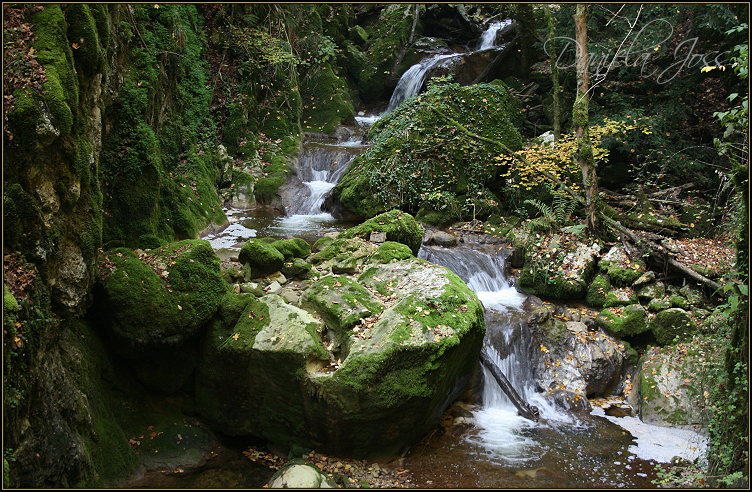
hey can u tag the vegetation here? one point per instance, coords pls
(114, 116)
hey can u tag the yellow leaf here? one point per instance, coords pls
(180, 307)
(236, 336)
(75, 46)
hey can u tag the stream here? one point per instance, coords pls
(498, 448)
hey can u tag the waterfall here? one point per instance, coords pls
(412, 80)
(488, 38)
(512, 349)
(321, 167)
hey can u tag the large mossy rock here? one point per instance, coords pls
(399, 227)
(624, 321)
(261, 256)
(428, 151)
(671, 323)
(152, 306)
(367, 366)
(671, 386)
(558, 266)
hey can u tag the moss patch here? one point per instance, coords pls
(399, 227)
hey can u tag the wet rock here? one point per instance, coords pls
(261, 256)
(441, 238)
(569, 401)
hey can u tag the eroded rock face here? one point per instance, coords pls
(367, 365)
(577, 358)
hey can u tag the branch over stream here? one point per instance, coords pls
(528, 411)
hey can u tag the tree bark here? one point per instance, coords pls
(528, 411)
(580, 120)
(554, 71)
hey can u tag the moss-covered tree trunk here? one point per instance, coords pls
(580, 118)
(554, 70)
(526, 19)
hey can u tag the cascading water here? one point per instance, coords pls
(412, 80)
(511, 351)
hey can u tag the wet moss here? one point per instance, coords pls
(620, 322)
(390, 250)
(84, 37)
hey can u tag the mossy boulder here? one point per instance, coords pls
(374, 369)
(671, 323)
(623, 296)
(671, 387)
(293, 248)
(410, 161)
(400, 227)
(620, 268)
(624, 321)
(158, 300)
(598, 291)
(650, 291)
(261, 256)
(656, 305)
(321, 244)
(557, 267)
(345, 255)
(392, 251)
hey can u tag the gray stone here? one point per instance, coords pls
(441, 238)
(299, 476)
(273, 287)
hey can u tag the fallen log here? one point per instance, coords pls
(528, 411)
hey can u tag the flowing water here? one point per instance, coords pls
(321, 164)
(412, 80)
(564, 449)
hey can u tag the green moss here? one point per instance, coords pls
(399, 227)
(598, 290)
(620, 322)
(150, 241)
(321, 244)
(83, 32)
(409, 163)
(145, 310)
(390, 251)
(266, 188)
(330, 98)
(671, 323)
(293, 248)
(262, 256)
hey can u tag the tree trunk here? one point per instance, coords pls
(580, 120)
(551, 45)
(528, 411)
(526, 18)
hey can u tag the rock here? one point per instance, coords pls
(694, 297)
(278, 277)
(441, 238)
(345, 255)
(578, 361)
(251, 288)
(321, 244)
(656, 305)
(670, 386)
(144, 311)
(303, 476)
(292, 248)
(390, 251)
(598, 290)
(261, 256)
(377, 237)
(671, 323)
(298, 267)
(569, 401)
(289, 295)
(679, 302)
(649, 291)
(374, 370)
(623, 296)
(399, 226)
(620, 322)
(620, 268)
(557, 269)
(645, 279)
(273, 287)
